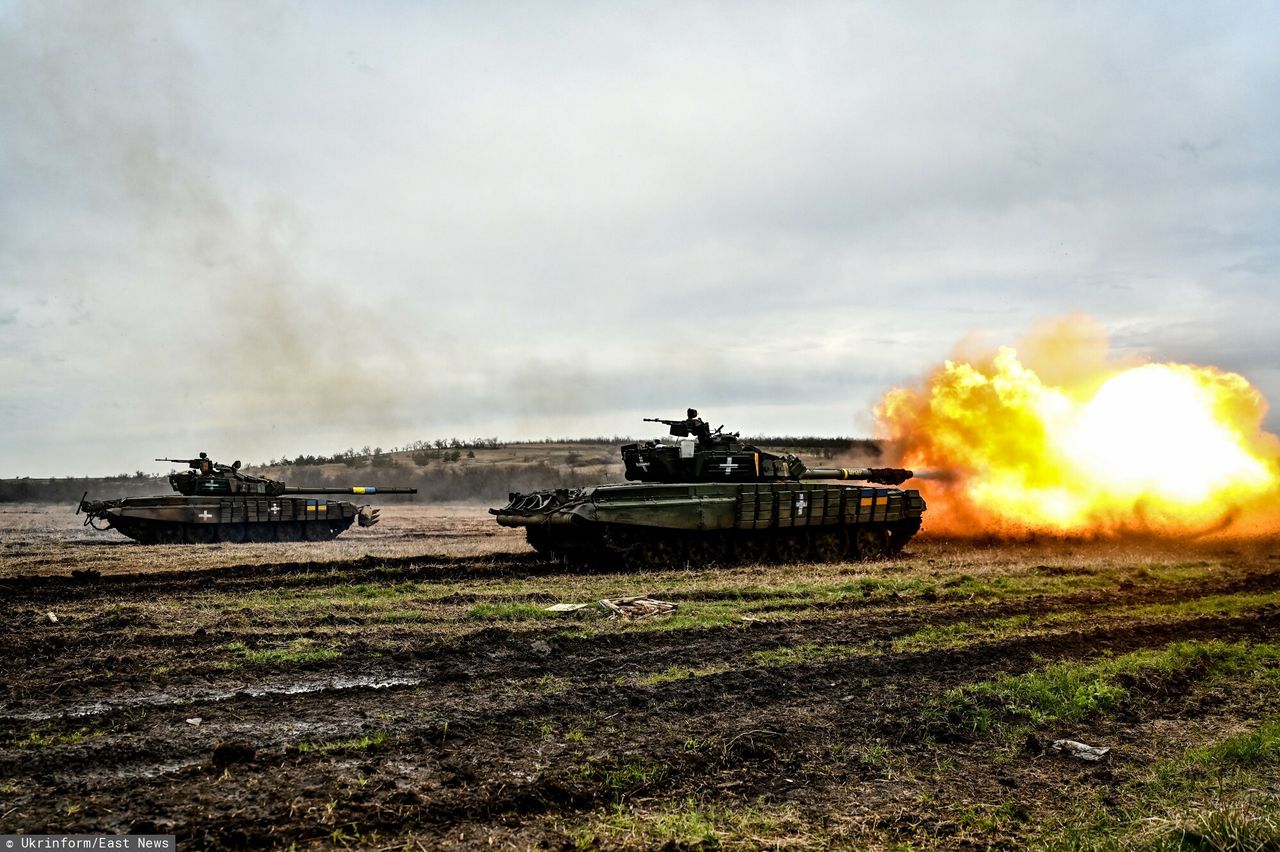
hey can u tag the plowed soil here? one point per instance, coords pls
(405, 687)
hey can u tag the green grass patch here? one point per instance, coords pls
(1230, 604)
(1243, 754)
(529, 611)
(510, 612)
(630, 776)
(1254, 748)
(960, 634)
(687, 617)
(1067, 692)
(1246, 828)
(689, 824)
(986, 818)
(297, 652)
(45, 739)
(636, 774)
(362, 743)
(801, 654)
(679, 673)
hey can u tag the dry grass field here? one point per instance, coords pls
(405, 687)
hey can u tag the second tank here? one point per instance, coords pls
(216, 502)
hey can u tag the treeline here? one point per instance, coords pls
(379, 457)
(70, 489)
(619, 440)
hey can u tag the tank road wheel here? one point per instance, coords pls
(260, 531)
(200, 533)
(792, 546)
(232, 533)
(751, 547)
(168, 534)
(289, 531)
(659, 551)
(539, 539)
(707, 549)
(830, 544)
(139, 532)
(317, 530)
(871, 543)
(575, 557)
(901, 533)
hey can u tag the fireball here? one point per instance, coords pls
(1065, 440)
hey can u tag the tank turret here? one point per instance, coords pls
(722, 457)
(208, 477)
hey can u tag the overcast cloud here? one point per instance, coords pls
(261, 229)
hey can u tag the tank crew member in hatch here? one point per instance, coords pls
(696, 426)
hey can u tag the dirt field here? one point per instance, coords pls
(404, 687)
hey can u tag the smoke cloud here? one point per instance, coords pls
(268, 229)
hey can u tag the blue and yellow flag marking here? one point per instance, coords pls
(363, 489)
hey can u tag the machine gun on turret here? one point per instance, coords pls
(204, 464)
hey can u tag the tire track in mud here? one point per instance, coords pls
(503, 654)
(463, 747)
(869, 693)
(250, 576)
(35, 589)
(438, 778)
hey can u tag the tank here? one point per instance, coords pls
(705, 497)
(216, 502)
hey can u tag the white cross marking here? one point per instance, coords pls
(728, 466)
(642, 464)
(204, 516)
(801, 503)
(275, 510)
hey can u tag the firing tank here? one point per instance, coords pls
(217, 502)
(707, 498)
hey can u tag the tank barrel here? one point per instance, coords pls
(881, 475)
(355, 489)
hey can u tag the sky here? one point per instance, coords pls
(264, 228)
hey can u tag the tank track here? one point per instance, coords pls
(649, 548)
(160, 532)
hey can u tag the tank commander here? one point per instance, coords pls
(691, 425)
(697, 426)
(204, 464)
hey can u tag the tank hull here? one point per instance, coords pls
(657, 524)
(200, 520)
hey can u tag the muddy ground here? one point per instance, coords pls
(405, 687)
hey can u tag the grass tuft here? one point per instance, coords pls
(297, 652)
(368, 741)
(1238, 829)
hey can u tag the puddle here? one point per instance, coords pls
(175, 697)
